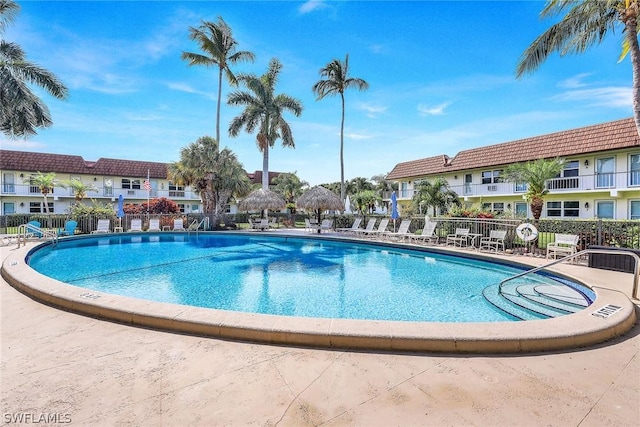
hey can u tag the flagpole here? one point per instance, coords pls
(148, 194)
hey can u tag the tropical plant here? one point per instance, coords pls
(215, 175)
(264, 112)
(80, 189)
(21, 111)
(586, 23)
(357, 185)
(335, 80)
(382, 186)
(219, 47)
(161, 205)
(95, 209)
(434, 194)
(45, 183)
(333, 186)
(534, 174)
(290, 187)
(365, 201)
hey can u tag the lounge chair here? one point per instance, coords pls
(273, 222)
(69, 228)
(382, 228)
(564, 244)
(33, 229)
(428, 233)
(178, 224)
(326, 225)
(104, 226)
(263, 224)
(370, 225)
(402, 233)
(154, 224)
(459, 238)
(136, 225)
(355, 226)
(494, 241)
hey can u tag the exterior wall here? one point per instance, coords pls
(613, 186)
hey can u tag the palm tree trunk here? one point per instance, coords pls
(342, 195)
(218, 111)
(631, 24)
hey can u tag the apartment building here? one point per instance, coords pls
(601, 177)
(111, 177)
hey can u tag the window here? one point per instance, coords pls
(404, 189)
(130, 184)
(634, 169)
(605, 169)
(521, 187)
(37, 207)
(491, 177)
(176, 190)
(8, 208)
(634, 209)
(8, 183)
(468, 179)
(571, 168)
(563, 209)
(605, 209)
(181, 207)
(195, 208)
(521, 209)
(496, 207)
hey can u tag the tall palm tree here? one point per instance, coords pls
(264, 112)
(435, 194)
(290, 187)
(21, 111)
(534, 174)
(80, 189)
(45, 183)
(335, 80)
(586, 23)
(215, 175)
(219, 47)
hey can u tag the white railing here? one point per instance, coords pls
(11, 189)
(30, 231)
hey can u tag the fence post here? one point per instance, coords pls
(599, 239)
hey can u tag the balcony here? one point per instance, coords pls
(26, 190)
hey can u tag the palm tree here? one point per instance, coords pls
(21, 111)
(290, 187)
(264, 112)
(45, 183)
(215, 175)
(357, 185)
(217, 42)
(80, 189)
(534, 174)
(436, 195)
(365, 201)
(586, 23)
(335, 81)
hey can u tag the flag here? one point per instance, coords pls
(147, 185)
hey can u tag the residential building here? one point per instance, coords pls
(601, 176)
(111, 177)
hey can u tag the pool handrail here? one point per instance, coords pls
(25, 230)
(636, 269)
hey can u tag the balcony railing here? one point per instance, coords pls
(11, 189)
(603, 181)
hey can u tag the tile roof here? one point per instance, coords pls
(591, 139)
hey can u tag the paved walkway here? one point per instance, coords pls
(68, 367)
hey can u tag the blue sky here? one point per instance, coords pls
(441, 78)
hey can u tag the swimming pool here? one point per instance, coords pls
(286, 276)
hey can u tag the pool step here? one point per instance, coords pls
(528, 301)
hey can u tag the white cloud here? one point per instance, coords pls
(22, 145)
(183, 87)
(311, 6)
(436, 110)
(356, 136)
(373, 111)
(612, 97)
(574, 82)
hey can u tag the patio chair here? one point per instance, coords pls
(564, 244)
(494, 241)
(69, 228)
(33, 229)
(370, 225)
(355, 226)
(459, 238)
(428, 233)
(382, 227)
(273, 222)
(326, 225)
(104, 226)
(154, 224)
(136, 225)
(178, 224)
(401, 234)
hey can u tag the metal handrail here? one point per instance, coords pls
(636, 270)
(25, 230)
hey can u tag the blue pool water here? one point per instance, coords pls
(281, 275)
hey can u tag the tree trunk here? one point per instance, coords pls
(342, 196)
(218, 111)
(536, 205)
(631, 25)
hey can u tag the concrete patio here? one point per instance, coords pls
(78, 370)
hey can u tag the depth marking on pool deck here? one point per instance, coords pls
(607, 311)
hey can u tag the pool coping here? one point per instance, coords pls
(566, 332)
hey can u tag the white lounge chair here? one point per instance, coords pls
(178, 224)
(154, 224)
(104, 226)
(136, 225)
(564, 244)
(370, 226)
(494, 242)
(382, 228)
(459, 238)
(428, 233)
(355, 226)
(326, 225)
(402, 233)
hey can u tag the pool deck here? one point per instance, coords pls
(95, 372)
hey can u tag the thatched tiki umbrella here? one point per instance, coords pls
(320, 199)
(261, 200)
